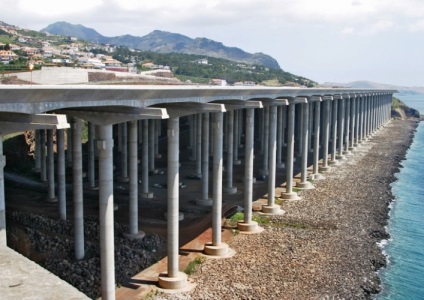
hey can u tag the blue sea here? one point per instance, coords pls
(403, 279)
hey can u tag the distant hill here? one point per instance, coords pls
(374, 85)
(165, 42)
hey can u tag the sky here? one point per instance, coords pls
(323, 40)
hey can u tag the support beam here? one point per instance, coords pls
(77, 187)
(304, 184)
(61, 173)
(229, 188)
(205, 200)
(145, 162)
(51, 197)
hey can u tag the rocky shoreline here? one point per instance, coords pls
(324, 246)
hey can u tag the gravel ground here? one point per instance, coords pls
(325, 246)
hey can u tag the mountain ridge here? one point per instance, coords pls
(165, 42)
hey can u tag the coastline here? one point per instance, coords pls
(324, 246)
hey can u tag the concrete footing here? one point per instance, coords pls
(230, 190)
(290, 196)
(204, 202)
(272, 210)
(324, 169)
(317, 176)
(221, 250)
(135, 236)
(249, 228)
(123, 179)
(51, 200)
(146, 195)
(306, 185)
(174, 283)
(281, 166)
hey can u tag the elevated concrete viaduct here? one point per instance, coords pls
(329, 123)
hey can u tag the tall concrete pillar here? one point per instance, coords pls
(199, 144)
(2, 197)
(311, 128)
(107, 246)
(289, 194)
(205, 200)
(216, 247)
(43, 163)
(248, 226)
(229, 188)
(145, 162)
(77, 187)
(334, 127)
(326, 133)
(361, 119)
(347, 127)
(152, 147)
(124, 153)
(265, 136)
(157, 135)
(316, 175)
(236, 160)
(69, 146)
(304, 183)
(133, 232)
(91, 157)
(51, 197)
(173, 279)
(271, 207)
(341, 123)
(353, 126)
(61, 176)
(280, 132)
(37, 167)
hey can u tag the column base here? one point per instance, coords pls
(305, 185)
(221, 250)
(334, 162)
(249, 228)
(51, 200)
(135, 236)
(237, 162)
(281, 165)
(340, 157)
(93, 188)
(147, 195)
(317, 176)
(172, 283)
(346, 153)
(180, 216)
(272, 210)
(158, 156)
(123, 179)
(264, 172)
(204, 202)
(230, 190)
(290, 196)
(324, 169)
(153, 172)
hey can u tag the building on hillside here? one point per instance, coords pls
(7, 56)
(202, 61)
(220, 82)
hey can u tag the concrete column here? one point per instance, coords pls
(124, 153)
(133, 232)
(283, 136)
(145, 162)
(152, 147)
(43, 164)
(361, 119)
(51, 197)
(352, 123)
(106, 208)
(3, 240)
(140, 131)
(265, 136)
(316, 175)
(347, 127)
(341, 123)
(205, 200)
(199, 145)
(236, 160)
(216, 247)
(325, 134)
(37, 167)
(271, 207)
(357, 126)
(91, 157)
(280, 130)
(157, 135)
(229, 188)
(304, 183)
(311, 128)
(69, 146)
(334, 127)
(77, 188)
(289, 194)
(61, 176)
(194, 140)
(173, 279)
